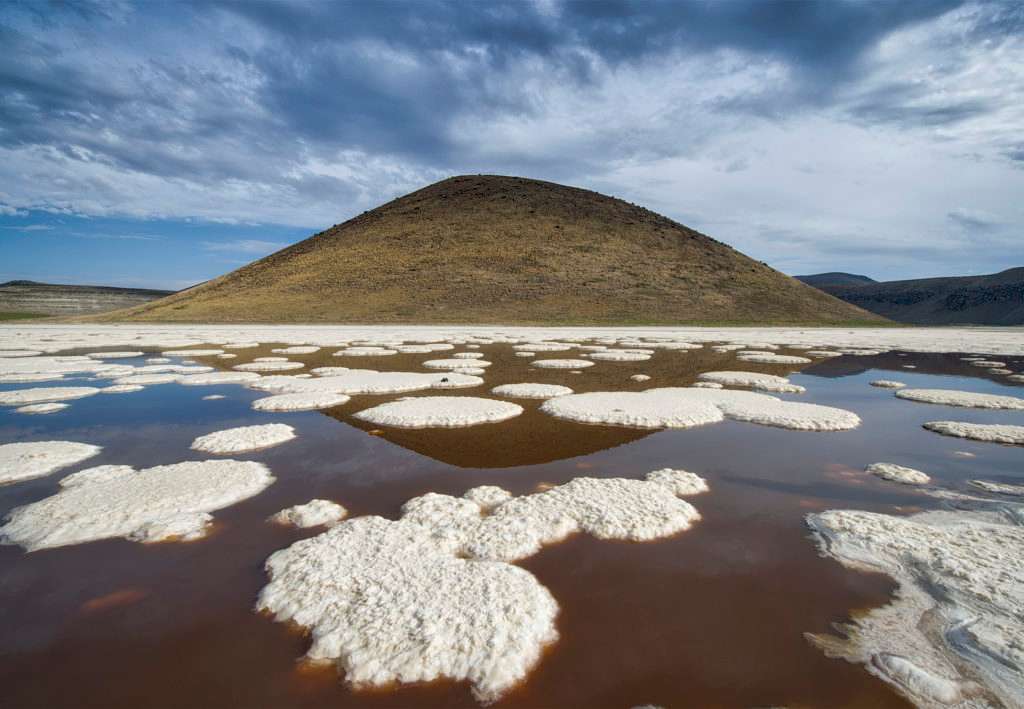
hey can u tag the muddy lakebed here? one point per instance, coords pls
(241, 516)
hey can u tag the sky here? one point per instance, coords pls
(162, 144)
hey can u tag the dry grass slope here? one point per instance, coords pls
(491, 249)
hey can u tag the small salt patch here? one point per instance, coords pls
(769, 358)
(898, 474)
(40, 395)
(531, 391)
(268, 366)
(753, 380)
(147, 379)
(296, 349)
(640, 378)
(887, 384)
(23, 461)
(561, 363)
(122, 389)
(988, 432)
(969, 399)
(440, 412)
(619, 356)
(303, 401)
(213, 397)
(244, 439)
(455, 364)
(49, 408)
(315, 513)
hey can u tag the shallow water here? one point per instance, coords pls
(713, 617)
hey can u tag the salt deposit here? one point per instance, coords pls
(215, 378)
(365, 352)
(956, 618)
(99, 473)
(366, 381)
(22, 461)
(440, 412)
(707, 385)
(122, 389)
(1000, 488)
(315, 513)
(468, 355)
(147, 379)
(49, 408)
(769, 358)
(753, 380)
(640, 378)
(952, 397)
(543, 347)
(686, 407)
(268, 366)
(989, 432)
(887, 384)
(39, 395)
(167, 501)
(561, 363)
(454, 363)
(303, 401)
(431, 596)
(193, 353)
(28, 378)
(619, 356)
(244, 438)
(531, 391)
(114, 355)
(898, 474)
(296, 349)
(526, 354)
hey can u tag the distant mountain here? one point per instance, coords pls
(56, 299)
(495, 249)
(835, 278)
(996, 299)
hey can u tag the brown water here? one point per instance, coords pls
(713, 617)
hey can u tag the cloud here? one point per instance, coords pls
(245, 246)
(29, 227)
(972, 220)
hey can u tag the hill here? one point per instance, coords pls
(835, 278)
(491, 249)
(17, 297)
(996, 299)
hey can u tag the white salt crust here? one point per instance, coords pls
(268, 366)
(953, 634)
(887, 384)
(531, 391)
(640, 378)
(147, 379)
(988, 432)
(468, 355)
(769, 358)
(213, 397)
(1000, 488)
(455, 364)
(303, 401)
(158, 360)
(244, 438)
(122, 389)
(155, 504)
(214, 378)
(114, 355)
(687, 407)
(561, 363)
(753, 380)
(440, 412)
(970, 399)
(526, 354)
(49, 408)
(193, 353)
(315, 513)
(433, 596)
(365, 352)
(707, 385)
(23, 461)
(898, 474)
(29, 378)
(543, 347)
(296, 349)
(365, 381)
(39, 395)
(19, 353)
(619, 356)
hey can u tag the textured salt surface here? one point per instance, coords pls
(640, 378)
(429, 596)
(147, 379)
(49, 408)
(29, 378)
(296, 349)
(366, 381)
(753, 380)
(455, 364)
(39, 395)
(168, 501)
(268, 366)
(989, 432)
(898, 474)
(531, 391)
(686, 407)
(303, 401)
(561, 363)
(122, 389)
(887, 384)
(1001, 488)
(619, 356)
(22, 461)
(215, 378)
(769, 358)
(952, 397)
(244, 438)
(440, 412)
(956, 622)
(315, 513)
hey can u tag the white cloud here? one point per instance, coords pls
(245, 246)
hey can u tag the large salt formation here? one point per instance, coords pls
(954, 636)
(164, 502)
(434, 594)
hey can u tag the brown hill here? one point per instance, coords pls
(491, 249)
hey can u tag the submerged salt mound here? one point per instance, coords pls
(687, 407)
(988, 432)
(1000, 488)
(390, 604)
(303, 401)
(898, 474)
(887, 384)
(215, 378)
(22, 461)
(244, 438)
(315, 513)
(168, 501)
(969, 399)
(957, 615)
(48, 408)
(561, 363)
(40, 395)
(531, 391)
(753, 380)
(440, 412)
